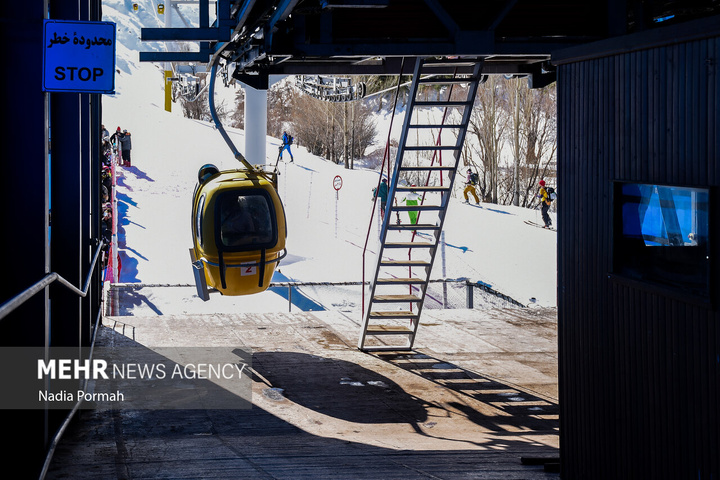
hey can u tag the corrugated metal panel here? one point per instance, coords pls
(639, 368)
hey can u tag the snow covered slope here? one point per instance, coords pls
(487, 243)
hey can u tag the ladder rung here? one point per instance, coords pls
(416, 226)
(393, 315)
(396, 298)
(409, 245)
(436, 188)
(400, 281)
(386, 348)
(405, 263)
(413, 208)
(387, 330)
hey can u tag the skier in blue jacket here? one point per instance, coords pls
(287, 141)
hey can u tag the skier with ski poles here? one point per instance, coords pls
(287, 141)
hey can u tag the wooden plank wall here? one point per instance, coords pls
(639, 370)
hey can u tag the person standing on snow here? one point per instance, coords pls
(382, 192)
(126, 147)
(545, 202)
(122, 144)
(470, 183)
(115, 139)
(287, 141)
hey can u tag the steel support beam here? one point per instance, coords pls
(184, 34)
(203, 56)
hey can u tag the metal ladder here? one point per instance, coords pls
(396, 297)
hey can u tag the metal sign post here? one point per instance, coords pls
(337, 185)
(78, 57)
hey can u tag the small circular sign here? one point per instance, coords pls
(337, 182)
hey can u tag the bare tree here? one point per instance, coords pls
(339, 132)
(364, 128)
(509, 114)
(309, 121)
(281, 108)
(198, 108)
(538, 140)
(238, 117)
(487, 126)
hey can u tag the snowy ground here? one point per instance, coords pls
(487, 243)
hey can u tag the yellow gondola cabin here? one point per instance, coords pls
(239, 231)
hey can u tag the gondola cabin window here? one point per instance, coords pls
(662, 236)
(199, 219)
(246, 221)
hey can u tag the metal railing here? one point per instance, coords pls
(15, 302)
(58, 435)
(8, 307)
(386, 162)
(442, 294)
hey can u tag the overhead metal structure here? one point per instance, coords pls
(258, 38)
(330, 88)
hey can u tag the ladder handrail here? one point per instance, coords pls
(386, 158)
(391, 191)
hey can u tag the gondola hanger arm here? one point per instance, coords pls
(216, 120)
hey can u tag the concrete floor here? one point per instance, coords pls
(478, 392)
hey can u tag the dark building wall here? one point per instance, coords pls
(31, 167)
(639, 364)
(24, 213)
